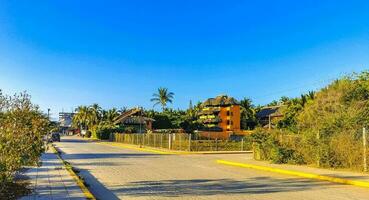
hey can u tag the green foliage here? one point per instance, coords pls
(103, 131)
(22, 127)
(95, 120)
(163, 97)
(175, 119)
(269, 146)
(248, 114)
(291, 109)
(325, 126)
(130, 129)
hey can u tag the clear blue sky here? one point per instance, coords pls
(117, 53)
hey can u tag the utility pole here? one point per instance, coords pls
(141, 120)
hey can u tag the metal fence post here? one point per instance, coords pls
(170, 141)
(180, 142)
(189, 142)
(161, 140)
(318, 141)
(364, 151)
(216, 144)
(148, 140)
(154, 140)
(242, 144)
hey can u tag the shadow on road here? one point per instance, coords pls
(97, 188)
(208, 187)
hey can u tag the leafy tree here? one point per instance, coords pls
(95, 114)
(162, 97)
(22, 127)
(291, 108)
(248, 114)
(110, 116)
(82, 118)
(324, 126)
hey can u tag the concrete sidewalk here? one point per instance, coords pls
(52, 180)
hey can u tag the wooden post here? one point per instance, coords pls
(270, 122)
(364, 151)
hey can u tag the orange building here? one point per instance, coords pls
(220, 116)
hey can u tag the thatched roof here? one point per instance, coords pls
(137, 120)
(273, 111)
(222, 100)
(133, 115)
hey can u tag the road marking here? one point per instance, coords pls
(296, 173)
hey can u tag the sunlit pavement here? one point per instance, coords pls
(52, 181)
(116, 173)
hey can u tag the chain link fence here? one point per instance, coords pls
(183, 142)
(347, 149)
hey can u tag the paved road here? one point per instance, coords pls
(116, 173)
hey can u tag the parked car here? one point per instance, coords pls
(55, 137)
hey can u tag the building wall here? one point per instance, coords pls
(231, 118)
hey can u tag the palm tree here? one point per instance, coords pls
(122, 109)
(162, 97)
(110, 115)
(81, 118)
(248, 118)
(95, 113)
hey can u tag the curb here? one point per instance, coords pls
(152, 150)
(296, 173)
(78, 180)
(137, 148)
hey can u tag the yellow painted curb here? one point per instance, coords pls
(296, 173)
(78, 180)
(169, 152)
(137, 148)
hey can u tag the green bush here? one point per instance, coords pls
(103, 132)
(129, 129)
(269, 145)
(88, 134)
(22, 127)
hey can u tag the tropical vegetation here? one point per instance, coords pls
(323, 128)
(95, 121)
(22, 128)
(163, 97)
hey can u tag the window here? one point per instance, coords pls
(228, 113)
(228, 122)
